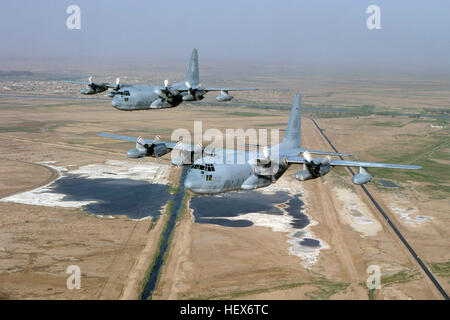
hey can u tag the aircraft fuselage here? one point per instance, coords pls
(138, 97)
(205, 177)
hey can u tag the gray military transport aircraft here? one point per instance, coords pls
(217, 171)
(141, 97)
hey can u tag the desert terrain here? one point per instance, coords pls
(48, 131)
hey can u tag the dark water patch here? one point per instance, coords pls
(216, 208)
(136, 199)
(295, 210)
(241, 223)
(308, 242)
(387, 183)
(207, 209)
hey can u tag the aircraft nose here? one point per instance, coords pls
(188, 183)
(114, 103)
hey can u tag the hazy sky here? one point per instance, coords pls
(415, 33)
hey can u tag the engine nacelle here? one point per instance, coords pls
(159, 103)
(111, 94)
(136, 153)
(87, 90)
(224, 96)
(93, 89)
(188, 97)
(263, 167)
(159, 150)
(254, 182)
(303, 175)
(362, 177)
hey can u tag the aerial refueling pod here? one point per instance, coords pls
(362, 177)
(224, 96)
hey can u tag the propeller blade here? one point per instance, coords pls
(166, 83)
(90, 79)
(307, 156)
(266, 152)
(140, 140)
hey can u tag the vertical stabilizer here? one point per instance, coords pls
(192, 75)
(292, 137)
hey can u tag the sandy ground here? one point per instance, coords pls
(37, 243)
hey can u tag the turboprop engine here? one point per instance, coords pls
(362, 177)
(167, 97)
(266, 167)
(93, 88)
(113, 91)
(193, 93)
(184, 156)
(143, 149)
(313, 169)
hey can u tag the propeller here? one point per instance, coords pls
(181, 150)
(198, 151)
(195, 92)
(165, 93)
(141, 141)
(307, 156)
(313, 167)
(266, 152)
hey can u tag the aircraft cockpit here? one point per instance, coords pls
(207, 167)
(124, 93)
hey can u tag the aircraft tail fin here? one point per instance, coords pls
(293, 134)
(192, 74)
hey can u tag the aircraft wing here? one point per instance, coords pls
(170, 145)
(222, 153)
(327, 153)
(345, 163)
(78, 82)
(228, 89)
(107, 85)
(181, 86)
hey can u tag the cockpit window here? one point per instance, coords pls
(207, 167)
(127, 93)
(120, 92)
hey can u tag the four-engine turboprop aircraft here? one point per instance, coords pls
(218, 171)
(141, 97)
